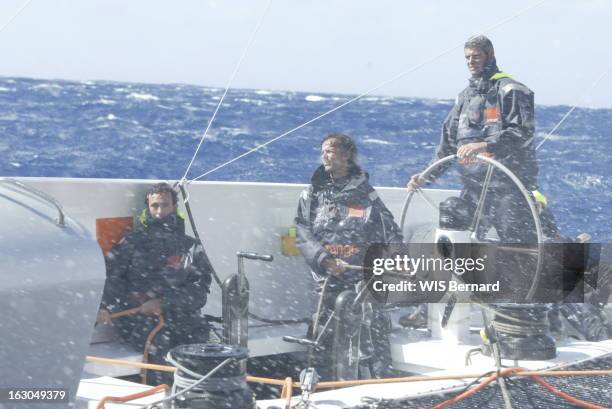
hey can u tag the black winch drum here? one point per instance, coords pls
(529, 340)
(454, 214)
(226, 388)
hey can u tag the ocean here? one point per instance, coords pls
(104, 129)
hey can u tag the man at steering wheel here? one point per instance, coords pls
(493, 116)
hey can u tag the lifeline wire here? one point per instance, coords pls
(606, 72)
(10, 20)
(227, 87)
(368, 92)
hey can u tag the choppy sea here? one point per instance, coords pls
(103, 129)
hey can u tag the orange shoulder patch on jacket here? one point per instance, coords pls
(492, 114)
(174, 262)
(356, 212)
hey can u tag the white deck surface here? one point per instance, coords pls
(91, 391)
(428, 357)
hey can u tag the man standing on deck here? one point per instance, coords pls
(163, 272)
(339, 215)
(493, 116)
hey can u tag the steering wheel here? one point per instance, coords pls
(476, 219)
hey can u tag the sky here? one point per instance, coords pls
(559, 48)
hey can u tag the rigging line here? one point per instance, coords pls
(10, 20)
(229, 84)
(606, 72)
(368, 92)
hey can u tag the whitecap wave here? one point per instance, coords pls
(234, 131)
(262, 92)
(584, 181)
(378, 141)
(567, 138)
(105, 101)
(3, 89)
(142, 97)
(257, 102)
(50, 86)
(9, 117)
(314, 98)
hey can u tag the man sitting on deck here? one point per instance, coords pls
(163, 273)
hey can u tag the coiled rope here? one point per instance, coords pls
(185, 382)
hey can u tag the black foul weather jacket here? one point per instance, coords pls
(341, 218)
(498, 110)
(158, 260)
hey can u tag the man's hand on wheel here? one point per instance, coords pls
(471, 149)
(414, 182)
(334, 266)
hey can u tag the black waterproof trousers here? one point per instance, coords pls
(179, 329)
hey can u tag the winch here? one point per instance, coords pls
(225, 388)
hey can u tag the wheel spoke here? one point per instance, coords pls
(481, 201)
(532, 251)
(427, 199)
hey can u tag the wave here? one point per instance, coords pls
(583, 181)
(142, 97)
(567, 138)
(257, 102)
(378, 141)
(50, 86)
(9, 117)
(105, 101)
(314, 98)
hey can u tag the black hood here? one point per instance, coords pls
(173, 223)
(480, 83)
(321, 178)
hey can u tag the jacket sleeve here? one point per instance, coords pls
(448, 142)
(387, 229)
(310, 247)
(517, 114)
(118, 262)
(516, 141)
(190, 291)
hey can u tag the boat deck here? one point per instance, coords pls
(431, 358)
(449, 361)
